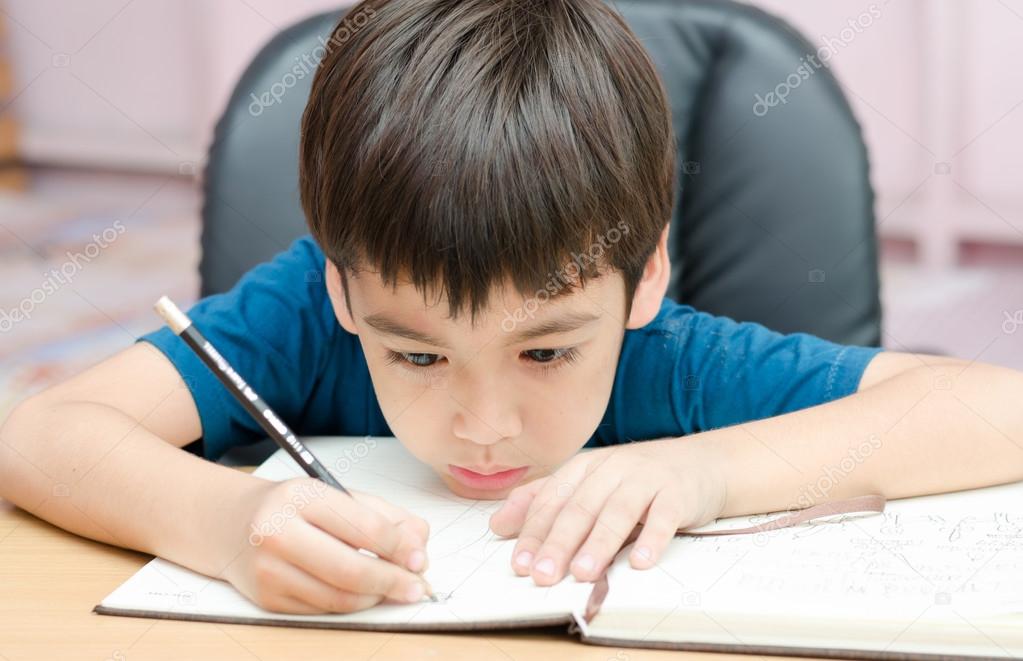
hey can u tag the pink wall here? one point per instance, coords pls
(133, 84)
(938, 88)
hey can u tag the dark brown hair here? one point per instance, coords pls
(465, 144)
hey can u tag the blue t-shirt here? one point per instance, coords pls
(684, 372)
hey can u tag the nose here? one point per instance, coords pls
(484, 414)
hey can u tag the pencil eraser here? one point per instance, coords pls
(175, 318)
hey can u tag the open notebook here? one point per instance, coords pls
(937, 575)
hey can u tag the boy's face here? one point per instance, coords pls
(518, 392)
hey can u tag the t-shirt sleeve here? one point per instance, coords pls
(727, 372)
(273, 327)
(690, 371)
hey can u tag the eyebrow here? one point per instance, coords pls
(389, 326)
(568, 322)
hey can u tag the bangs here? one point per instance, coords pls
(474, 144)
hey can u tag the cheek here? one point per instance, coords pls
(420, 420)
(562, 415)
(395, 391)
(592, 389)
(413, 409)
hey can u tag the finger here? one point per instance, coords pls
(360, 526)
(662, 522)
(398, 515)
(570, 529)
(417, 560)
(508, 520)
(334, 562)
(315, 595)
(542, 512)
(285, 604)
(622, 511)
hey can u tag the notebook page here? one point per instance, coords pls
(470, 567)
(945, 557)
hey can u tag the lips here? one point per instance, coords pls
(490, 480)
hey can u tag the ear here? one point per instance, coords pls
(339, 298)
(652, 286)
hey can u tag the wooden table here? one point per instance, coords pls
(50, 580)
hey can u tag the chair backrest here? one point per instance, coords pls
(774, 222)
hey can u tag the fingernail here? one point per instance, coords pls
(585, 562)
(523, 559)
(416, 560)
(415, 592)
(642, 553)
(545, 567)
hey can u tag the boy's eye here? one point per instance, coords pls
(420, 359)
(546, 355)
(543, 357)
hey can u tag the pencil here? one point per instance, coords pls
(260, 411)
(246, 396)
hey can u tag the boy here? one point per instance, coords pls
(488, 185)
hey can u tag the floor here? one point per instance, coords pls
(83, 257)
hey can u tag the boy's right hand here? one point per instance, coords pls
(299, 553)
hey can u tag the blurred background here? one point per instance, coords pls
(107, 108)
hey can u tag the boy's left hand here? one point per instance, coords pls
(576, 519)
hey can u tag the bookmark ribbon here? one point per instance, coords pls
(857, 504)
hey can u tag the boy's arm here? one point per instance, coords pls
(916, 425)
(99, 455)
(96, 456)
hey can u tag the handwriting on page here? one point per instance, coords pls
(893, 559)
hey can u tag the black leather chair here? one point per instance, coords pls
(775, 220)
